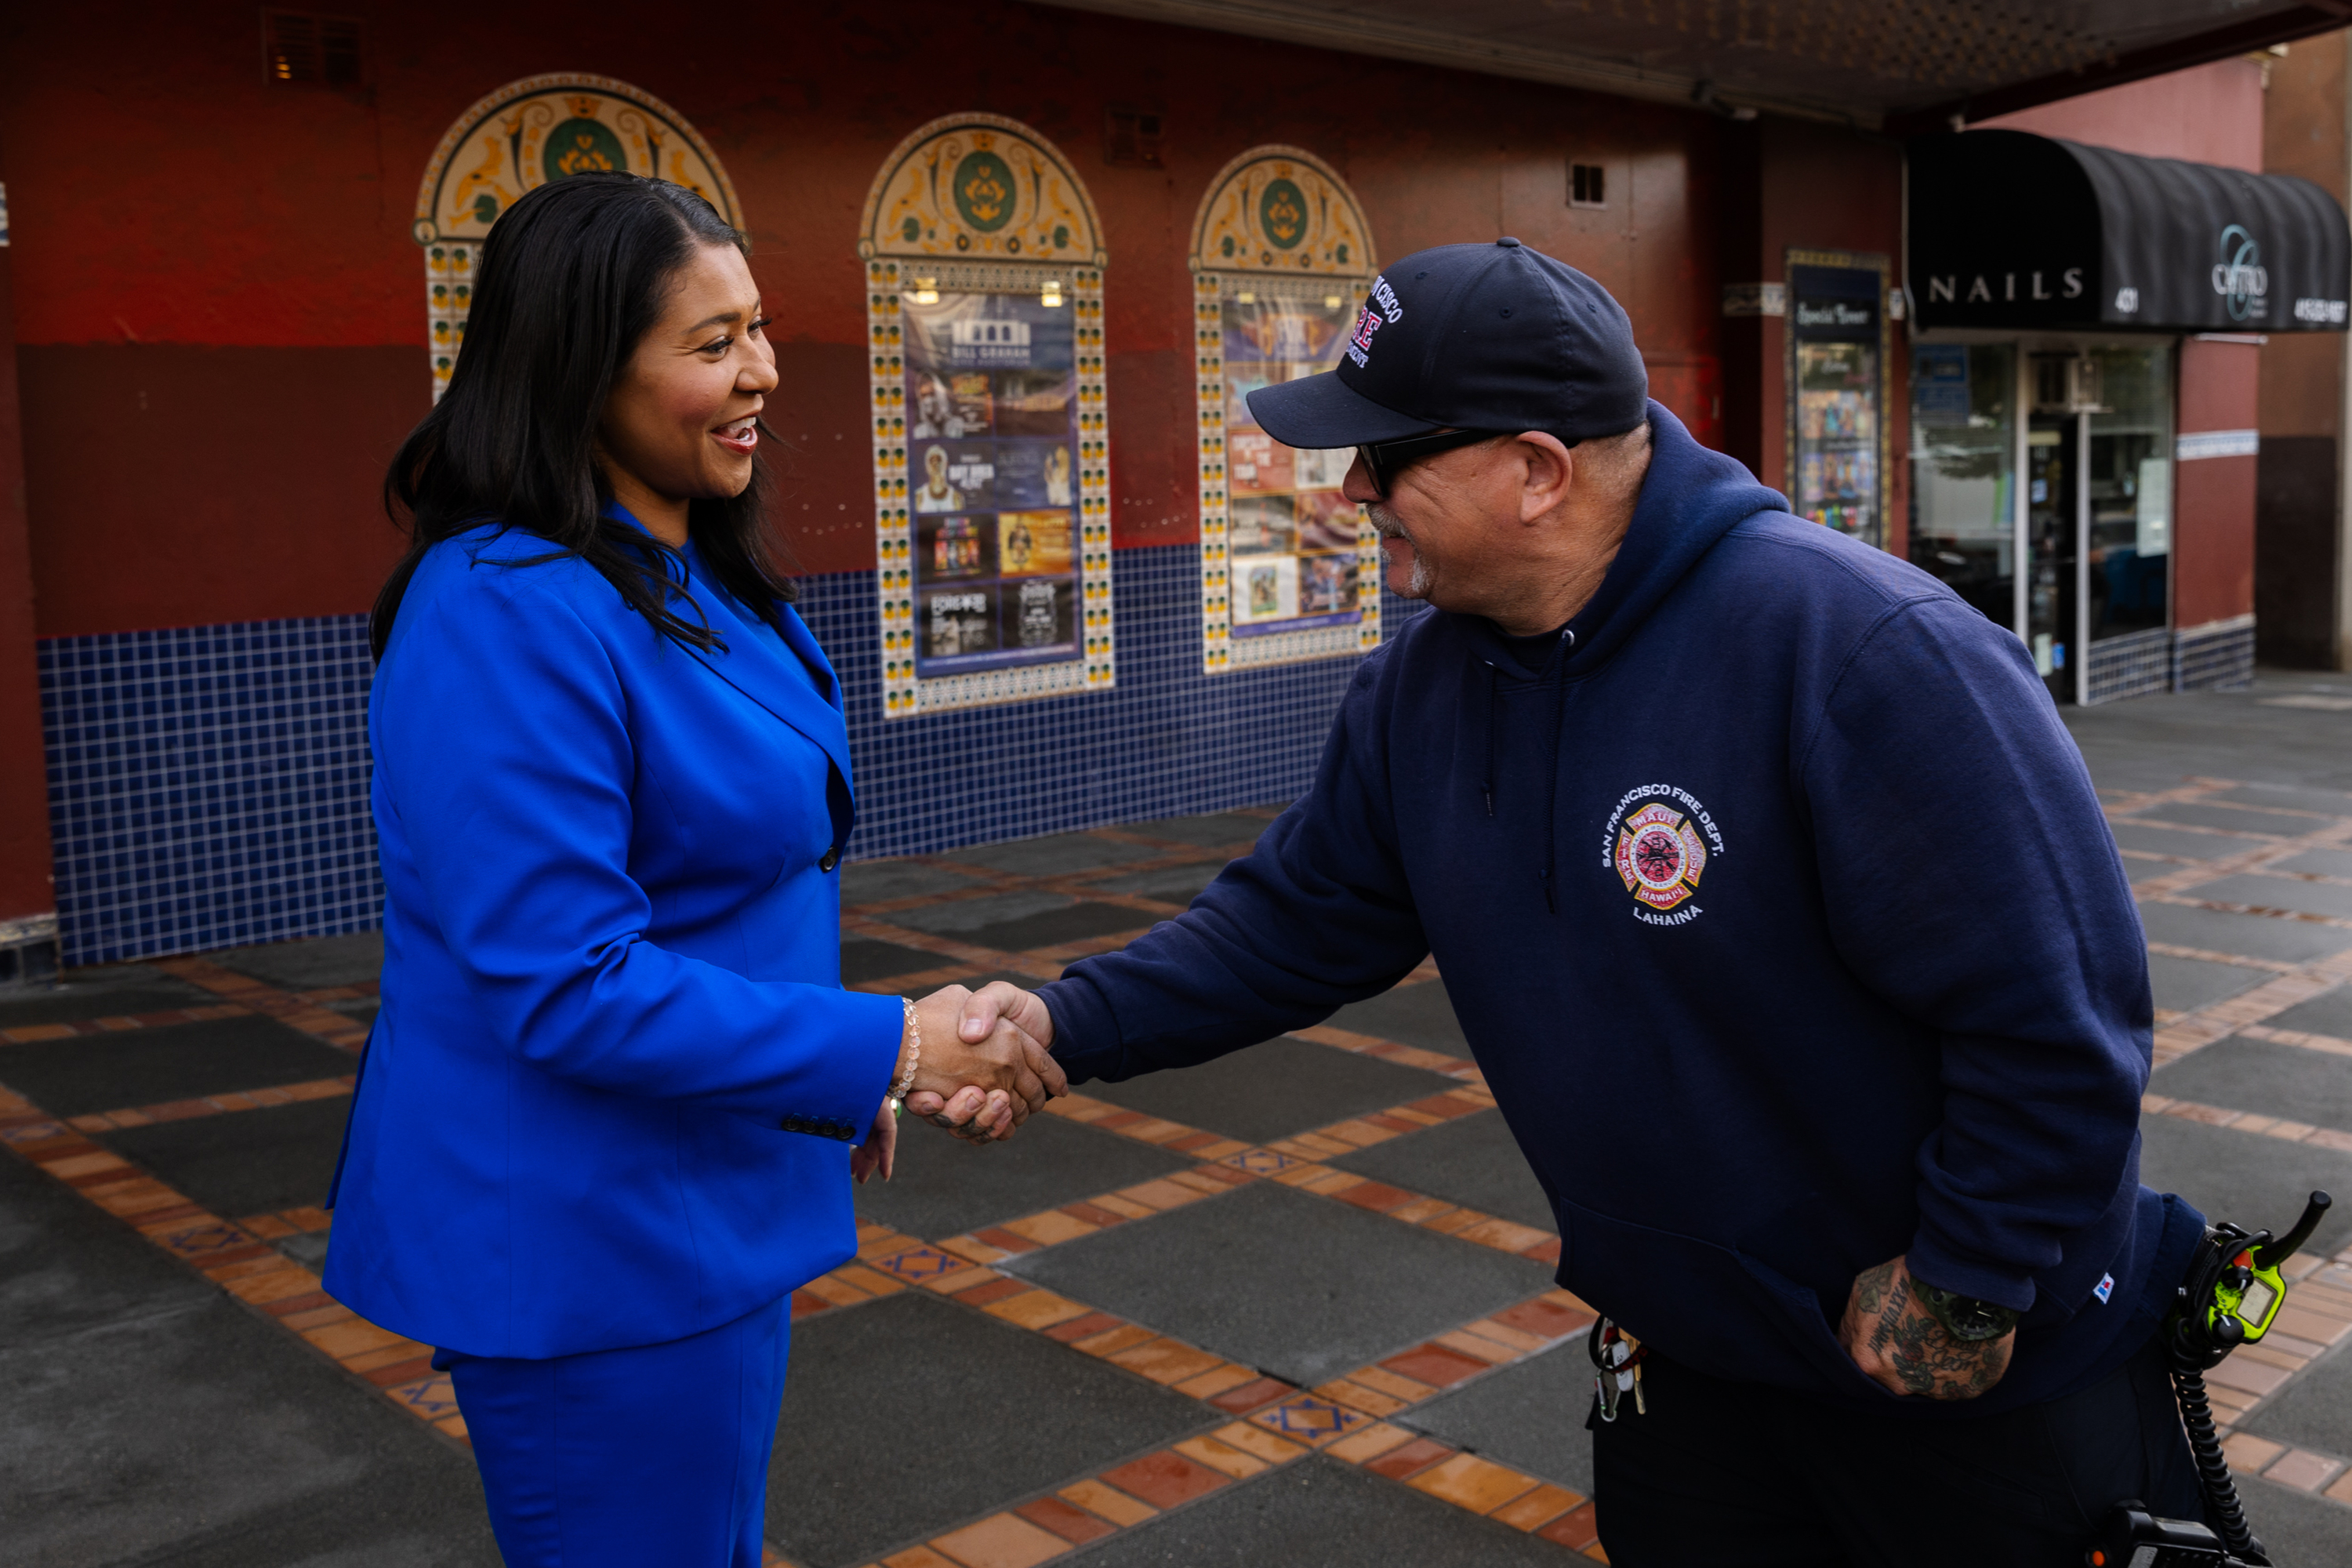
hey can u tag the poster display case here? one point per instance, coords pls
(1289, 567)
(1837, 391)
(990, 439)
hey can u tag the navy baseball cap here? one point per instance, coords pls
(1476, 337)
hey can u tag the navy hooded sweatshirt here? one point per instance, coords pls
(1779, 913)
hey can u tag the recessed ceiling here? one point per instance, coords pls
(1901, 63)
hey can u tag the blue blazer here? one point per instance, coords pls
(608, 1097)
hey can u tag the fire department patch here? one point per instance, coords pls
(1659, 841)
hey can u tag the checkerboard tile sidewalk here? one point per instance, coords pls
(948, 919)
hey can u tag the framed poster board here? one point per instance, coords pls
(1289, 568)
(983, 263)
(1838, 352)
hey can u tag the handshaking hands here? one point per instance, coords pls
(983, 1068)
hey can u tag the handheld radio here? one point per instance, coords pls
(2230, 1296)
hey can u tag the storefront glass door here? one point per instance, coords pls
(1963, 480)
(2130, 530)
(2053, 446)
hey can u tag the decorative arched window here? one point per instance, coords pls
(516, 140)
(1290, 569)
(992, 474)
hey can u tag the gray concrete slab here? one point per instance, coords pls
(944, 1187)
(151, 1419)
(2228, 818)
(2323, 802)
(863, 959)
(177, 1061)
(1176, 884)
(2256, 1075)
(2253, 936)
(1053, 856)
(1530, 1416)
(2329, 1013)
(76, 1001)
(2181, 984)
(2315, 1411)
(2301, 1530)
(2279, 893)
(311, 963)
(2160, 743)
(2318, 862)
(2142, 870)
(1302, 1287)
(909, 1415)
(877, 881)
(1213, 832)
(246, 1162)
(1272, 1089)
(2258, 1182)
(1321, 1511)
(1472, 1161)
(1419, 1015)
(2130, 834)
(963, 916)
(1051, 928)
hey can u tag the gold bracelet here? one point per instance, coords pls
(914, 1055)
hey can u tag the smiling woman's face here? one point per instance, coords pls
(679, 425)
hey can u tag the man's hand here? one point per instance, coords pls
(981, 1074)
(1899, 1345)
(991, 1008)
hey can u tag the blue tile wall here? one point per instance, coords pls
(208, 785)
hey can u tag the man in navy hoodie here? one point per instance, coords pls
(1778, 909)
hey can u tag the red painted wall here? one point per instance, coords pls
(222, 313)
(2207, 114)
(24, 790)
(2214, 564)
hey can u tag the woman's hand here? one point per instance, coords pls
(879, 1152)
(980, 1076)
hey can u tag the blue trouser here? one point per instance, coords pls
(653, 1457)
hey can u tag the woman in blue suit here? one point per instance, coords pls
(600, 1130)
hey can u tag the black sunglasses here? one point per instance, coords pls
(1384, 460)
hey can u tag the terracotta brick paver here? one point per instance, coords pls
(1164, 1480)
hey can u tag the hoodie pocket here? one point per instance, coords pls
(1708, 1306)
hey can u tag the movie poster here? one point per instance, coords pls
(1291, 534)
(991, 481)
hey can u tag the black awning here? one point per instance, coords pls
(2012, 230)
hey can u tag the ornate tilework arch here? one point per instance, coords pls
(985, 211)
(516, 140)
(1279, 246)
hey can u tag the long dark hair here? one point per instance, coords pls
(572, 277)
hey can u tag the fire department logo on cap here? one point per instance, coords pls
(1660, 853)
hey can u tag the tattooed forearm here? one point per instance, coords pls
(1896, 1340)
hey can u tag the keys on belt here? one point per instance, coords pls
(1617, 1358)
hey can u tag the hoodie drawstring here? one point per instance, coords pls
(1546, 873)
(1487, 784)
(1551, 778)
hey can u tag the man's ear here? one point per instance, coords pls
(1550, 471)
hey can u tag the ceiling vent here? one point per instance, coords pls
(300, 48)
